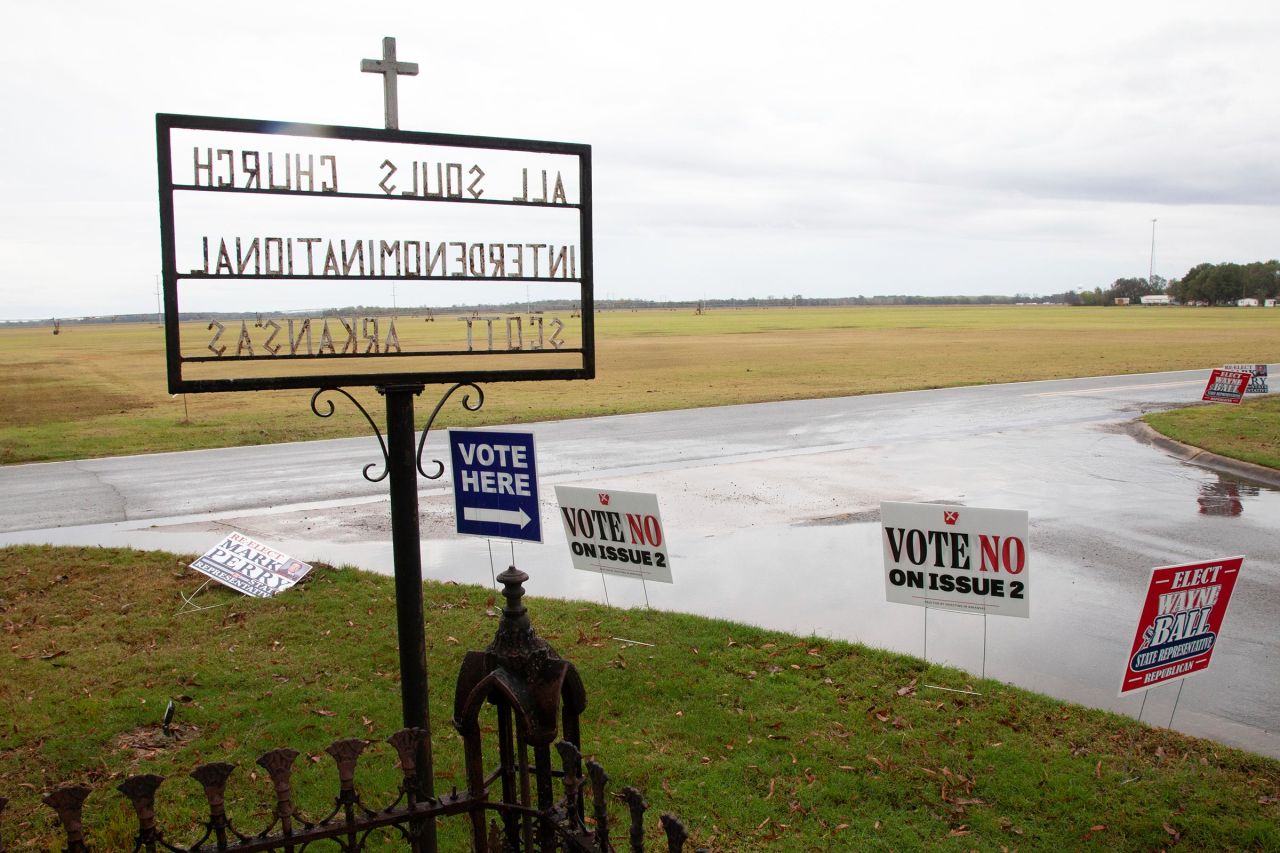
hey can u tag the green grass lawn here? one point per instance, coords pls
(100, 390)
(758, 740)
(1249, 431)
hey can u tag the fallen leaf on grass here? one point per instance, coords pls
(877, 762)
(1173, 833)
(1007, 825)
(324, 713)
(956, 833)
(908, 689)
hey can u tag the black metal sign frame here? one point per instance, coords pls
(166, 123)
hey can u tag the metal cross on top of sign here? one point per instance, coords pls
(389, 68)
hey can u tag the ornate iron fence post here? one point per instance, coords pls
(141, 791)
(599, 805)
(637, 806)
(213, 778)
(532, 686)
(345, 754)
(68, 802)
(279, 766)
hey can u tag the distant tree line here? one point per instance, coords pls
(1225, 283)
(1204, 284)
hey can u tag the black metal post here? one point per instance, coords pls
(410, 618)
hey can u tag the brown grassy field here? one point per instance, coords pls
(100, 390)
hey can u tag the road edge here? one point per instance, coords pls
(1144, 433)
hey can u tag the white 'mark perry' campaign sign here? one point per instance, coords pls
(956, 558)
(615, 533)
(251, 567)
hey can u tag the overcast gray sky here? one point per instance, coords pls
(739, 149)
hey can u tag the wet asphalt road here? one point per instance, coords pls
(771, 514)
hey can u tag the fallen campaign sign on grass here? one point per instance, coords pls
(1226, 386)
(250, 567)
(1258, 379)
(956, 558)
(616, 533)
(1180, 622)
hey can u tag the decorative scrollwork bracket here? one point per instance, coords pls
(466, 404)
(328, 413)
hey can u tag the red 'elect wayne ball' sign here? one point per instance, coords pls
(1226, 386)
(1181, 621)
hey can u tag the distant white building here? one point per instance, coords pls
(1122, 300)
(1247, 303)
(1270, 303)
(1157, 299)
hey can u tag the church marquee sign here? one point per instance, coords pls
(280, 234)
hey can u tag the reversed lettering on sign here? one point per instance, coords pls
(363, 336)
(250, 170)
(266, 222)
(368, 257)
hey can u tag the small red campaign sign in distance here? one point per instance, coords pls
(1226, 386)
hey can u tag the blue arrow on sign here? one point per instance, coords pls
(495, 484)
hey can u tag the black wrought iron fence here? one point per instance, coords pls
(512, 804)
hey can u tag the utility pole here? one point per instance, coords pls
(1151, 270)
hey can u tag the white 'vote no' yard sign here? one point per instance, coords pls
(956, 558)
(616, 533)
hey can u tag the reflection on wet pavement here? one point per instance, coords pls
(1224, 497)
